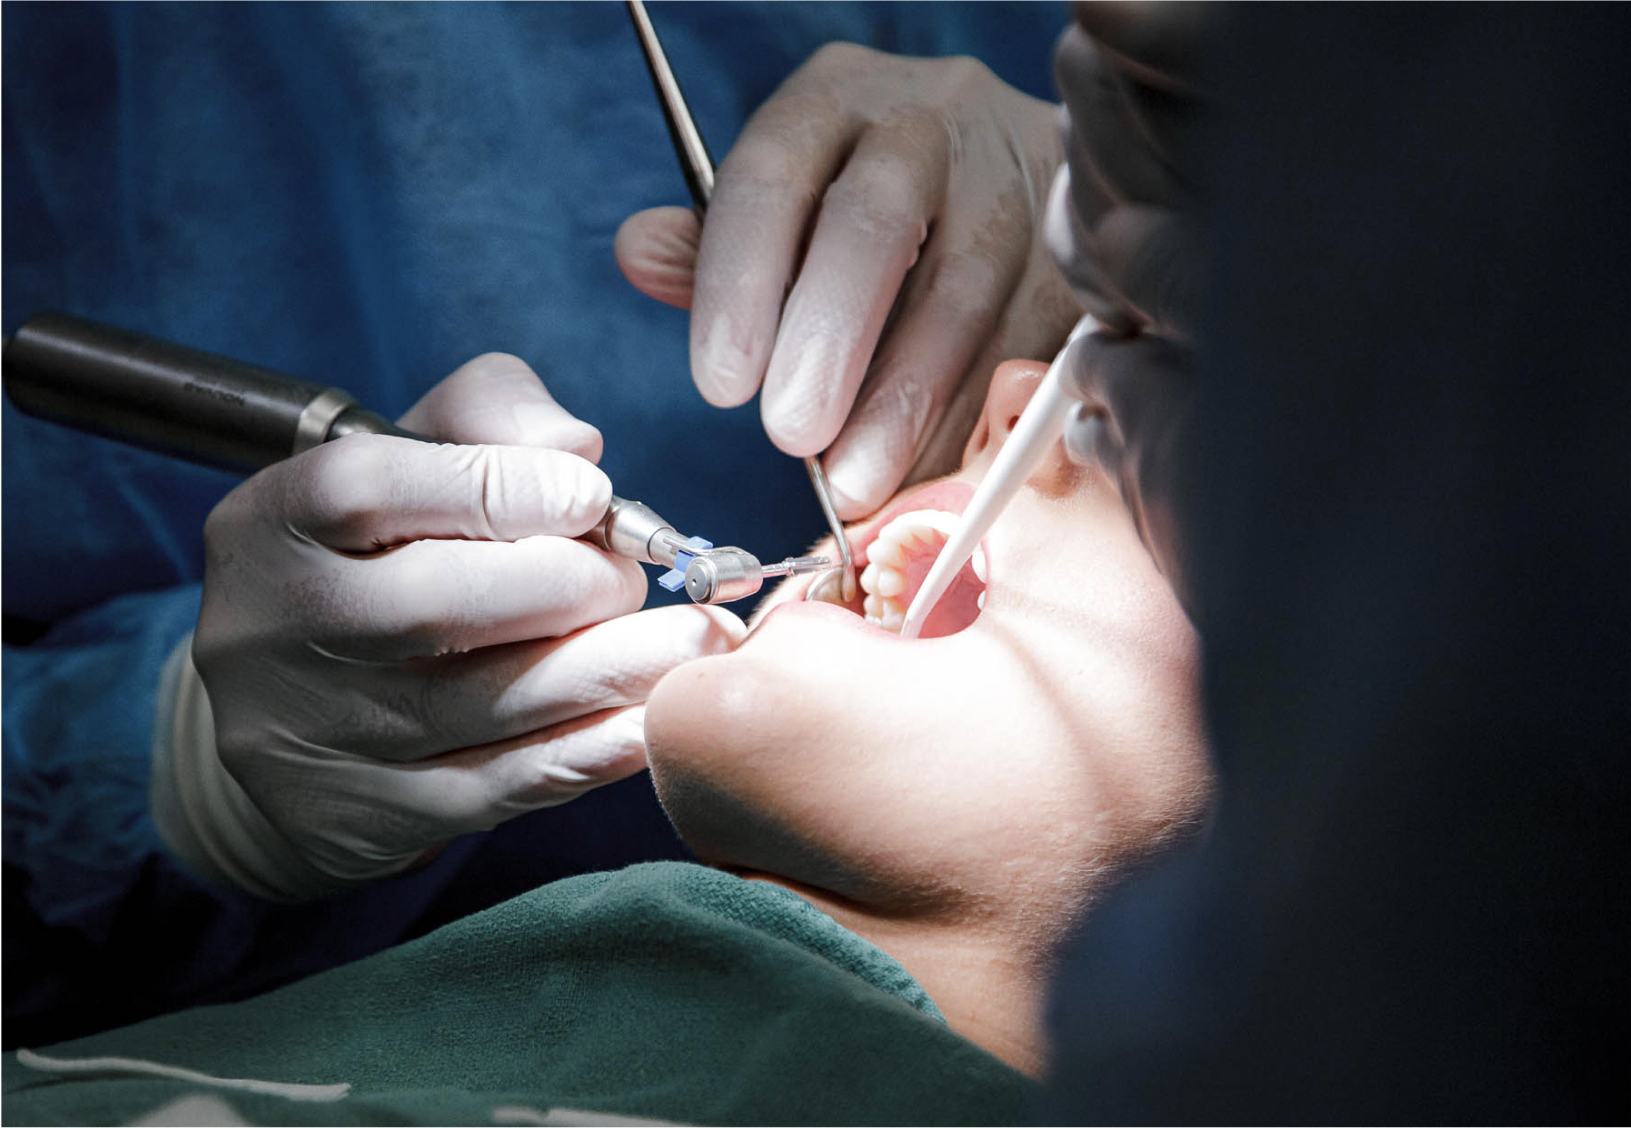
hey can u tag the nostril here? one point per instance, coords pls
(977, 441)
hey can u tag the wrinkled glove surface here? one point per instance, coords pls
(401, 642)
(873, 249)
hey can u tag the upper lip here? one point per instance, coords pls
(948, 494)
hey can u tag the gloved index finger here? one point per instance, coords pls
(363, 493)
(768, 187)
(498, 398)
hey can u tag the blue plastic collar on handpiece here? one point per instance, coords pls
(674, 578)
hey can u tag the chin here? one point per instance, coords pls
(686, 716)
(755, 799)
(730, 833)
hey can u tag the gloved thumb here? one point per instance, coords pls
(1138, 387)
(497, 399)
(657, 251)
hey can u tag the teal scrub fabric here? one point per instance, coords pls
(667, 991)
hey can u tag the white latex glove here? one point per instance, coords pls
(401, 644)
(872, 250)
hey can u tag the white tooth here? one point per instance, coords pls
(889, 583)
(883, 579)
(977, 561)
(979, 601)
(887, 550)
(918, 520)
(927, 519)
(889, 547)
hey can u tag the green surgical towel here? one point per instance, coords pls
(667, 991)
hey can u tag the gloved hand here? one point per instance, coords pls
(400, 644)
(878, 218)
(1117, 217)
(1119, 227)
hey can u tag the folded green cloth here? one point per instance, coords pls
(667, 991)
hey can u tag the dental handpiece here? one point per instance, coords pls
(708, 574)
(225, 413)
(1040, 426)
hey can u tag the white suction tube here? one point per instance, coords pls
(1039, 427)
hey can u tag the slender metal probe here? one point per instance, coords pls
(846, 562)
(698, 168)
(795, 565)
(695, 161)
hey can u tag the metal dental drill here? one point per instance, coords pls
(708, 574)
(225, 413)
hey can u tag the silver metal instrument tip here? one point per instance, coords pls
(797, 565)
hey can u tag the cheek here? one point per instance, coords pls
(1044, 744)
(859, 779)
(890, 783)
(697, 709)
(741, 764)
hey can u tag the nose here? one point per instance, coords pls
(1012, 386)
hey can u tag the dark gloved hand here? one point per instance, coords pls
(1118, 219)
(1135, 394)
(1120, 226)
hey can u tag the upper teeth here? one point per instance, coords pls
(884, 577)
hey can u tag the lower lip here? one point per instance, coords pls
(839, 616)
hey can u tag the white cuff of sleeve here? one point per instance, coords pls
(205, 818)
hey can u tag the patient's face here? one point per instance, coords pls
(1048, 736)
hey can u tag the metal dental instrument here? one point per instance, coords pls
(698, 167)
(729, 573)
(236, 416)
(1039, 427)
(708, 574)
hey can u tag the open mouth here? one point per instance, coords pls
(895, 550)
